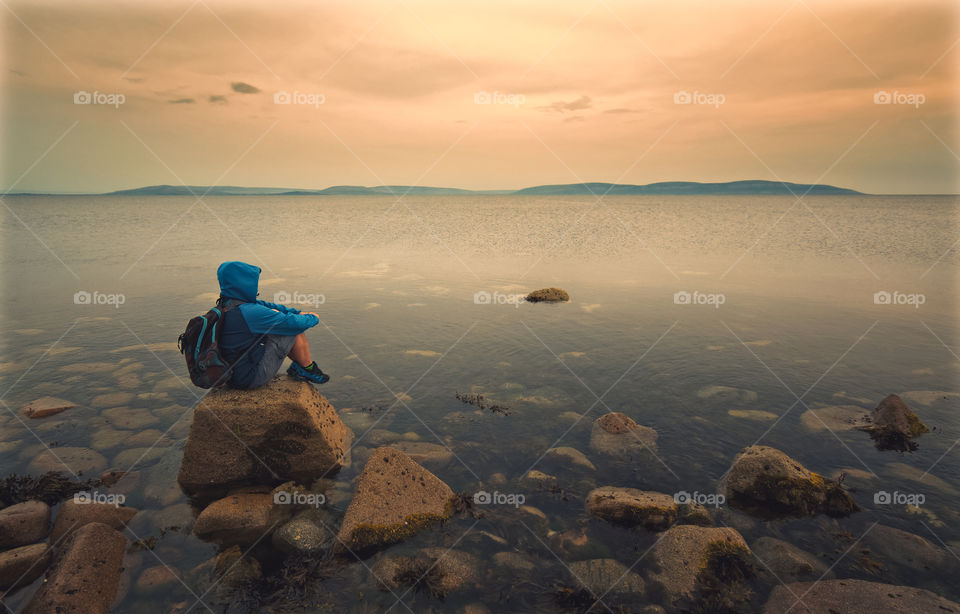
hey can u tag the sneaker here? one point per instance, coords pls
(307, 374)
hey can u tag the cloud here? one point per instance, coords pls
(620, 110)
(134, 79)
(560, 106)
(244, 88)
(575, 118)
(182, 101)
(218, 99)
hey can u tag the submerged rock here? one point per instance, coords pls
(787, 562)
(68, 460)
(854, 597)
(86, 575)
(438, 571)
(766, 482)
(607, 577)
(569, 457)
(395, 498)
(239, 519)
(24, 523)
(285, 430)
(548, 295)
(75, 513)
(836, 418)
(538, 480)
(894, 426)
(653, 511)
(425, 453)
(905, 549)
(693, 563)
(616, 434)
(309, 532)
(46, 406)
(23, 565)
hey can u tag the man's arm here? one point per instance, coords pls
(276, 307)
(263, 319)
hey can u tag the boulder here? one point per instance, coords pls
(156, 578)
(308, 533)
(285, 430)
(616, 434)
(689, 559)
(239, 519)
(77, 512)
(653, 511)
(568, 457)
(854, 597)
(548, 295)
(24, 523)
(538, 480)
(86, 574)
(894, 426)
(69, 460)
(787, 562)
(23, 565)
(45, 406)
(766, 482)
(606, 577)
(395, 498)
(905, 549)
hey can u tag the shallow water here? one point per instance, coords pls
(399, 317)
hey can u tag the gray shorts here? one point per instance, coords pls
(275, 349)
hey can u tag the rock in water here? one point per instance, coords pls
(895, 426)
(46, 406)
(24, 523)
(86, 575)
(787, 562)
(607, 577)
(653, 511)
(285, 430)
(766, 482)
(395, 498)
(616, 434)
(694, 563)
(240, 519)
(854, 597)
(78, 512)
(23, 565)
(548, 295)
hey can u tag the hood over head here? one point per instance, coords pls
(239, 280)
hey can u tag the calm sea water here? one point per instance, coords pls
(782, 304)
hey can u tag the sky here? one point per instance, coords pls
(102, 96)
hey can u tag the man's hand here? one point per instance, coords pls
(310, 313)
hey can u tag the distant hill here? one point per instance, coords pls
(749, 187)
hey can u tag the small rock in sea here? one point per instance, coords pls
(607, 577)
(46, 406)
(395, 498)
(753, 414)
(23, 565)
(538, 480)
(787, 562)
(570, 457)
(616, 434)
(24, 523)
(222, 575)
(107, 438)
(308, 533)
(428, 454)
(894, 426)
(513, 561)
(112, 399)
(239, 519)
(130, 418)
(156, 578)
(854, 596)
(836, 418)
(86, 574)
(548, 295)
(653, 511)
(766, 482)
(69, 460)
(438, 571)
(77, 512)
(898, 548)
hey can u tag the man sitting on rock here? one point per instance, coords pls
(258, 335)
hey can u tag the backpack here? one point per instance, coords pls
(200, 346)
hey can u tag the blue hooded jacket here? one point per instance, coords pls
(248, 320)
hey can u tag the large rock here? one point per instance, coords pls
(689, 559)
(628, 506)
(855, 597)
(24, 523)
(787, 562)
(45, 406)
(23, 565)
(395, 498)
(85, 577)
(285, 430)
(766, 482)
(77, 512)
(240, 519)
(894, 426)
(616, 434)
